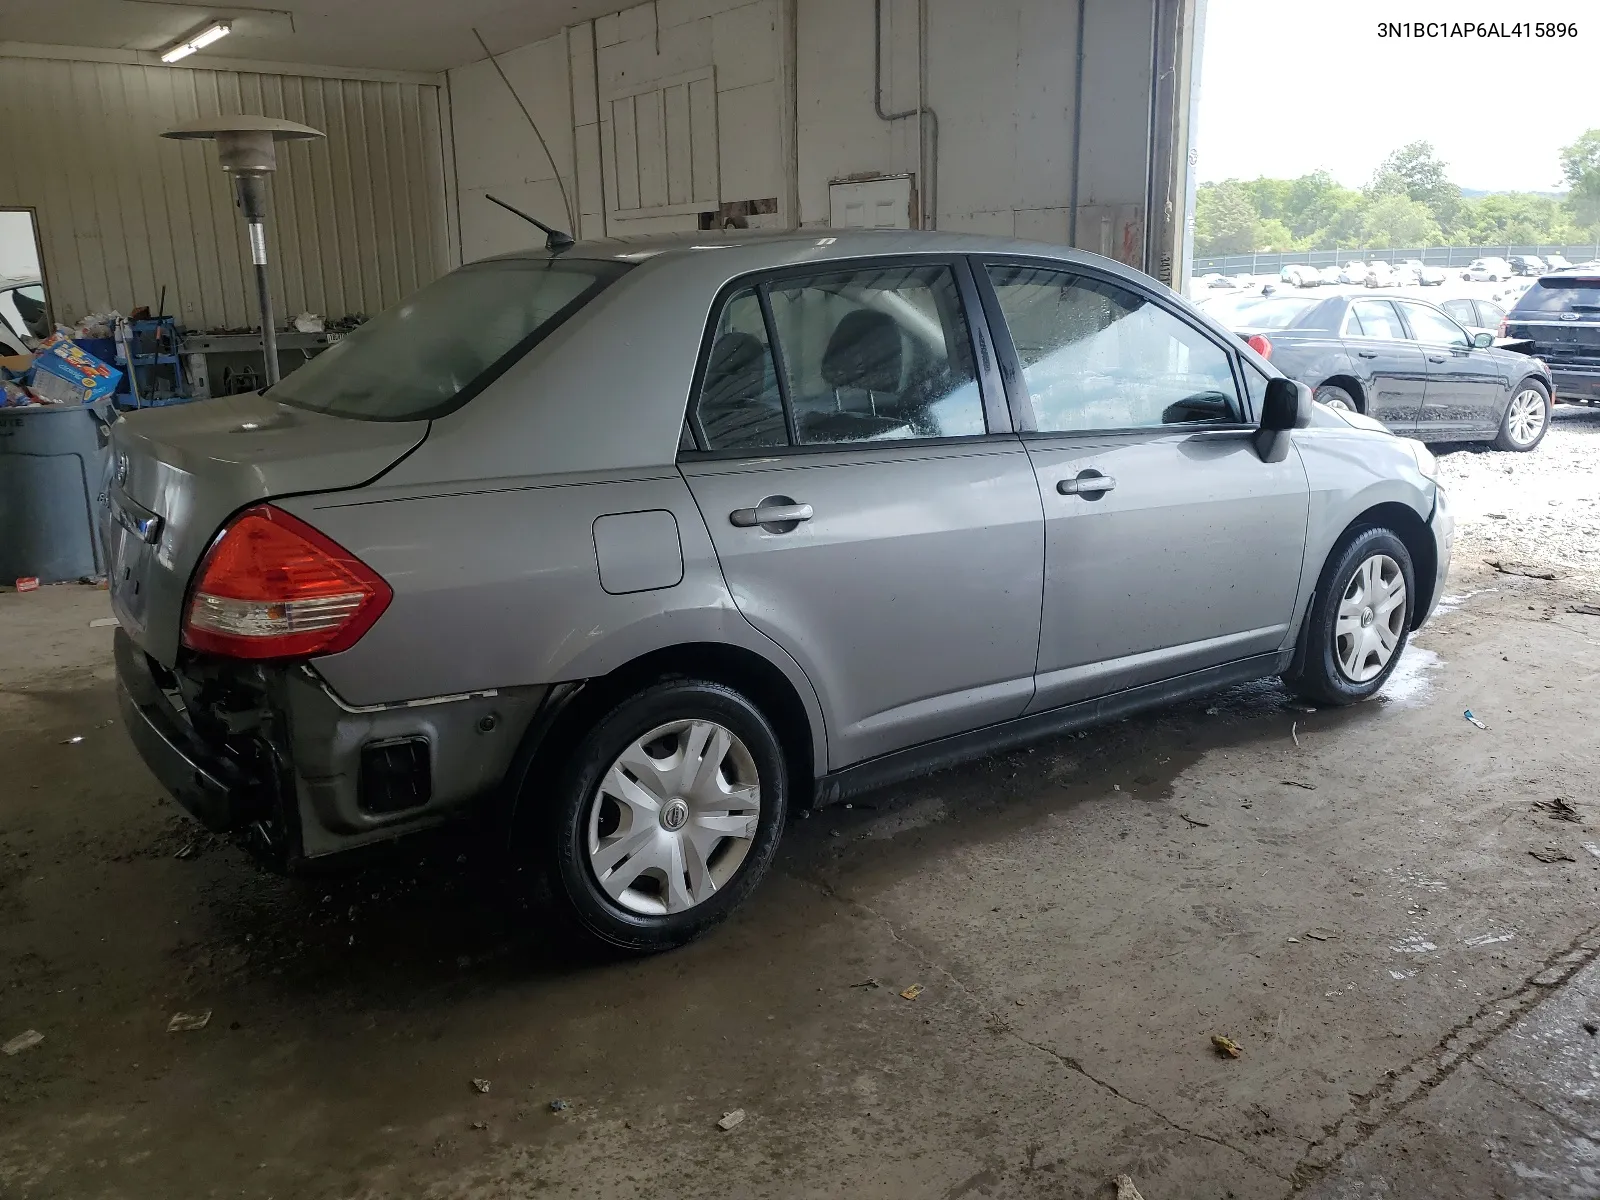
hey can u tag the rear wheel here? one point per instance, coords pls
(1359, 621)
(1335, 396)
(1527, 418)
(666, 816)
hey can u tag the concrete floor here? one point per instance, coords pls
(1360, 911)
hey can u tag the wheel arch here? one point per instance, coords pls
(573, 707)
(1350, 384)
(1413, 531)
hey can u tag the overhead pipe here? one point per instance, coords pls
(1077, 128)
(927, 192)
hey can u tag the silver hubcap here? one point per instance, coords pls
(674, 817)
(1525, 418)
(1336, 402)
(1371, 619)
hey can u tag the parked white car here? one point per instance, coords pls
(1381, 274)
(1426, 276)
(1490, 270)
(1556, 262)
(1300, 275)
(23, 317)
(1330, 275)
(1354, 271)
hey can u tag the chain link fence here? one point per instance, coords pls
(1434, 256)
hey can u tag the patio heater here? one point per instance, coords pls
(247, 149)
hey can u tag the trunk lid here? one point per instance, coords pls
(178, 473)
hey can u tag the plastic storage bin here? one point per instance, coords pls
(52, 470)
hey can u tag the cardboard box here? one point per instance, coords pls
(17, 364)
(66, 373)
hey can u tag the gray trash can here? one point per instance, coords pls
(52, 467)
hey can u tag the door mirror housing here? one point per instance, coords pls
(1483, 339)
(1286, 406)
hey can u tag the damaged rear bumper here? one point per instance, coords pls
(210, 787)
(272, 749)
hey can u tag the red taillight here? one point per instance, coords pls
(1260, 345)
(273, 587)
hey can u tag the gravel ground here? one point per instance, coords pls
(1539, 507)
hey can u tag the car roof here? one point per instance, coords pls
(12, 281)
(810, 245)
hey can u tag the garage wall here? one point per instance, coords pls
(357, 220)
(793, 88)
(682, 102)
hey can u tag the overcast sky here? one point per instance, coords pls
(1288, 86)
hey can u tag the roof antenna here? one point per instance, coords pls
(554, 239)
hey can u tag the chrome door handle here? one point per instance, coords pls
(1088, 483)
(1366, 354)
(1440, 358)
(775, 510)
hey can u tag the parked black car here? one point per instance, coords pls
(1527, 264)
(1559, 319)
(1407, 364)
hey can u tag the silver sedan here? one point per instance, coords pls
(629, 550)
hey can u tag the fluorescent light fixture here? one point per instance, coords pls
(199, 41)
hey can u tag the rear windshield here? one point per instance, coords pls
(1277, 313)
(438, 348)
(1561, 295)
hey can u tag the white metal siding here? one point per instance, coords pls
(357, 220)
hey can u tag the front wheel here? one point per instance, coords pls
(1527, 418)
(1359, 621)
(666, 817)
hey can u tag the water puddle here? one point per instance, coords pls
(1411, 685)
(1449, 604)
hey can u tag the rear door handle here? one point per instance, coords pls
(774, 510)
(1087, 483)
(1438, 359)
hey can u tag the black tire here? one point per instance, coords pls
(560, 839)
(1335, 396)
(1505, 439)
(1315, 672)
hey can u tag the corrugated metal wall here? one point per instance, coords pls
(357, 219)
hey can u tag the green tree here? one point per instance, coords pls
(1225, 219)
(1273, 234)
(1580, 165)
(1513, 219)
(1270, 197)
(1416, 172)
(1398, 220)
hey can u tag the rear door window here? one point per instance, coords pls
(1460, 310)
(741, 405)
(435, 350)
(873, 353)
(1579, 295)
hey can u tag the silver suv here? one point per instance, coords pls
(636, 546)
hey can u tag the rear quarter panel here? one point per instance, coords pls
(1313, 359)
(498, 587)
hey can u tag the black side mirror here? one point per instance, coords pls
(1286, 406)
(1483, 339)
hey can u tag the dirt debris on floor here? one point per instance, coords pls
(1140, 885)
